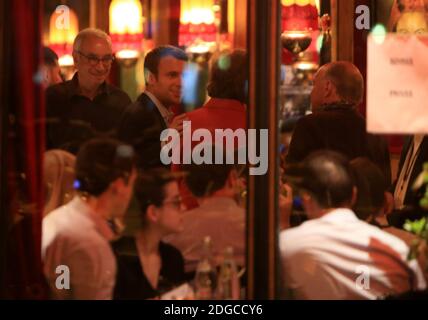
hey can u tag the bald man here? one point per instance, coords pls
(335, 123)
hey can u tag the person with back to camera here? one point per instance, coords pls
(326, 257)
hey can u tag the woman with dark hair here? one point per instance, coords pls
(146, 266)
(227, 88)
(371, 203)
(371, 185)
(228, 76)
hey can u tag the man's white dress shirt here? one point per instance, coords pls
(166, 114)
(339, 256)
(76, 237)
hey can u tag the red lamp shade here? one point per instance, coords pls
(299, 16)
(197, 22)
(126, 28)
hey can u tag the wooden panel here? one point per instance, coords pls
(262, 239)
(174, 21)
(165, 17)
(343, 30)
(147, 14)
(360, 48)
(99, 14)
(240, 29)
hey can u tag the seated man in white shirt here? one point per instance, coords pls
(78, 260)
(218, 216)
(335, 255)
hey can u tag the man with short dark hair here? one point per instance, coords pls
(335, 123)
(85, 106)
(335, 255)
(143, 121)
(51, 73)
(215, 186)
(76, 236)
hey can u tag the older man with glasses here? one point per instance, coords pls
(85, 106)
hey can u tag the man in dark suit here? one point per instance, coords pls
(144, 120)
(335, 123)
(404, 199)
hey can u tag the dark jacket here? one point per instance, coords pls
(141, 126)
(72, 119)
(132, 283)
(411, 210)
(422, 157)
(339, 128)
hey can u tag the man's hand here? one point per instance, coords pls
(177, 123)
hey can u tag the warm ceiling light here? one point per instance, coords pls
(306, 65)
(298, 23)
(66, 60)
(126, 29)
(298, 2)
(197, 22)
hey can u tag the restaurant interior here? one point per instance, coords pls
(287, 42)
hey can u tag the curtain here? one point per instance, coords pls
(23, 153)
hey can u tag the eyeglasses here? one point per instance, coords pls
(94, 60)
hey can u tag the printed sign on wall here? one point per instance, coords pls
(397, 84)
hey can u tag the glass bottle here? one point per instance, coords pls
(205, 278)
(228, 282)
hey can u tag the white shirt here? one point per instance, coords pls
(219, 218)
(339, 256)
(76, 237)
(165, 113)
(406, 171)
